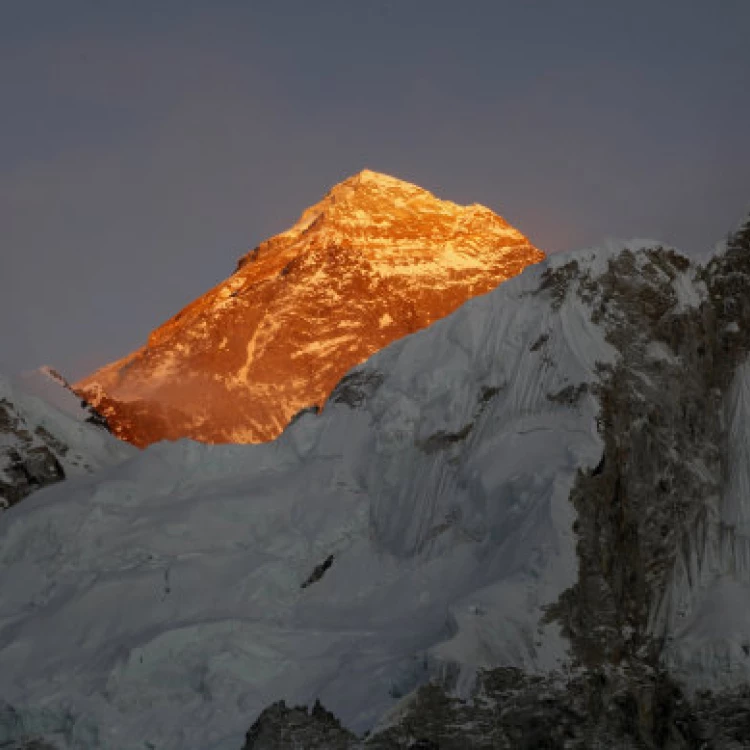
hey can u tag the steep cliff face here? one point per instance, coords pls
(524, 524)
(662, 521)
(376, 259)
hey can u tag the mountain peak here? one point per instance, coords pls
(375, 259)
(366, 176)
(371, 209)
(367, 179)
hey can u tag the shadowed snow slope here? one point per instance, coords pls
(422, 526)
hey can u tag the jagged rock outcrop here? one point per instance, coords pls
(280, 726)
(376, 259)
(654, 527)
(28, 465)
(512, 710)
(42, 440)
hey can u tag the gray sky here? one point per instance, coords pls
(146, 145)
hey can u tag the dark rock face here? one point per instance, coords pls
(28, 462)
(510, 710)
(48, 434)
(318, 572)
(513, 711)
(280, 726)
(725, 718)
(634, 512)
(354, 389)
(644, 508)
(38, 468)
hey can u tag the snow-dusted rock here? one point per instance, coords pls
(48, 433)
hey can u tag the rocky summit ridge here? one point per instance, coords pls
(376, 259)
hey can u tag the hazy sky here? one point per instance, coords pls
(145, 145)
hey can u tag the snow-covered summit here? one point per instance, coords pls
(375, 259)
(380, 180)
(391, 220)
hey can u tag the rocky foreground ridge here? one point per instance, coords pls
(527, 526)
(47, 433)
(376, 259)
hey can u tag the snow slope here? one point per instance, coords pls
(162, 601)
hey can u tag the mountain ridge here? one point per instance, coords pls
(517, 525)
